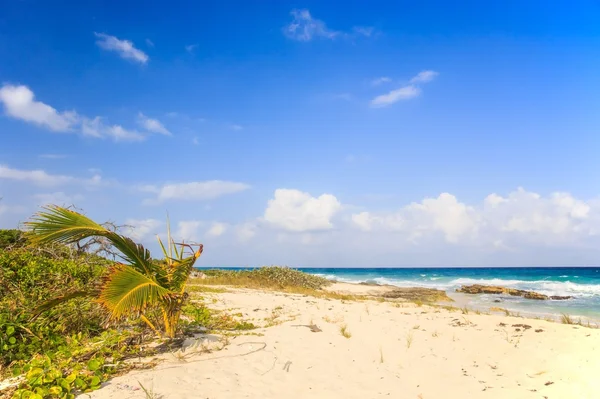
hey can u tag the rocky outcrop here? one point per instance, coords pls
(417, 294)
(493, 289)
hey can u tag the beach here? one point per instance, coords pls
(322, 347)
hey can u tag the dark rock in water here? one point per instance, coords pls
(560, 298)
(417, 294)
(531, 295)
(497, 300)
(494, 289)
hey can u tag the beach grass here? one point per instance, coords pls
(344, 331)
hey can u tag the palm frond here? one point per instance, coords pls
(126, 291)
(61, 299)
(180, 272)
(61, 225)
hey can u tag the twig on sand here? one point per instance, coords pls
(312, 327)
(264, 345)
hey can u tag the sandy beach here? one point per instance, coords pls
(370, 349)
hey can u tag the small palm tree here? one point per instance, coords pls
(132, 287)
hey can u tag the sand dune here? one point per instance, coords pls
(394, 350)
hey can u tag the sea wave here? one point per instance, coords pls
(546, 287)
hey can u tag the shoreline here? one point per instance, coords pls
(462, 300)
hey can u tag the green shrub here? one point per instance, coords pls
(11, 238)
(266, 277)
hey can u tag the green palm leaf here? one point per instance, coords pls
(61, 225)
(127, 292)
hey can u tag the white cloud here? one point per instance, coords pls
(96, 128)
(295, 210)
(19, 102)
(44, 179)
(119, 133)
(149, 43)
(403, 93)
(191, 48)
(193, 191)
(520, 219)
(217, 229)
(304, 28)
(152, 125)
(124, 48)
(424, 77)
(37, 177)
(141, 229)
(381, 80)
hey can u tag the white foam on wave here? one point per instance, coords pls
(546, 287)
(482, 281)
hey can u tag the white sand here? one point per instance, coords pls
(476, 359)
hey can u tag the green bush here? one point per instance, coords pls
(267, 277)
(30, 277)
(11, 238)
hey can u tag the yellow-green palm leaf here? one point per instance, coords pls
(128, 292)
(61, 225)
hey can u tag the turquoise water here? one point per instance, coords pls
(583, 283)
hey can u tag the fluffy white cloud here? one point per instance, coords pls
(403, 93)
(521, 218)
(19, 102)
(295, 210)
(304, 28)
(124, 48)
(141, 229)
(443, 214)
(193, 191)
(152, 125)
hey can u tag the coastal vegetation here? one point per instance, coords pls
(70, 318)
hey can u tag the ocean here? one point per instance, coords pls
(583, 283)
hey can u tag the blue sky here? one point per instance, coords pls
(309, 134)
